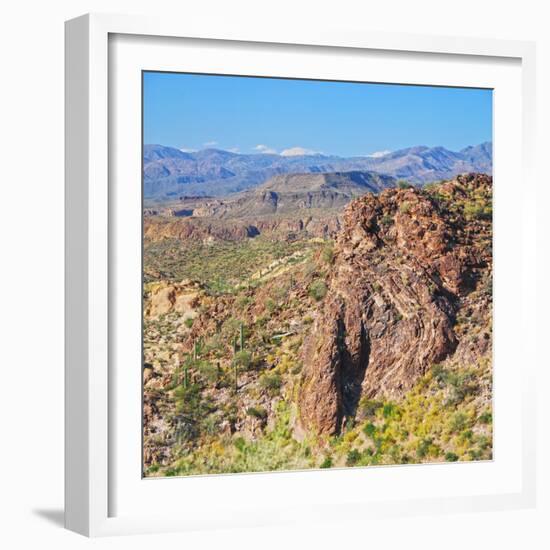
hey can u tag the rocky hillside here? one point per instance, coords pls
(161, 232)
(285, 204)
(372, 347)
(291, 193)
(169, 172)
(407, 265)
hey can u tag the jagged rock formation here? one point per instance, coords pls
(406, 263)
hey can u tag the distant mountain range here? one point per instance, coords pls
(169, 172)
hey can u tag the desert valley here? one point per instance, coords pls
(312, 311)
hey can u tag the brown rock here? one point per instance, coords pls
(166, 297)
(403, 263)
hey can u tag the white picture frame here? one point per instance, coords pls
(93, 454)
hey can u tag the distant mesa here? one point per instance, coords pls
(288, 193)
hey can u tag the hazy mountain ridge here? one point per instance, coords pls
(287, 193)
(169, 172)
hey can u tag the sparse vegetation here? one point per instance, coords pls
(318, 290)
(257, 412)
(421, 426)
(243, 359)
(271, 382)
(328, 253)
(405, 207)
(225, 366)
(220, 266)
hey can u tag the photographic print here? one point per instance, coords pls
(317, 274)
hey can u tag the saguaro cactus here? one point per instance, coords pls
(235, 366)
(195, 350)
(186, 377)
(241, 335)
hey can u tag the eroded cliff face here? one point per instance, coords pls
(407, 263)
(323, 224)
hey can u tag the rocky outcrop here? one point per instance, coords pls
(406, 262)
(322, 224)
(200, 230)
(163, 298)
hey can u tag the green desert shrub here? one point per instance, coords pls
(270, 305)
(462, 384)
(242, 301)
(271, 382)
(328, 253)
(243, 359)
(458, 422)
(459, 383)
(188, 322)
(389, 410)
(354, 456)
(211, 424)
(438, 373)
(483, 442)
(209, 371)
(486, 417)
(318, 290)
(239, 443)
(369, 429)
(296, 369)
(369, 406)
(257, 412)
(478, 211)
(426, 448)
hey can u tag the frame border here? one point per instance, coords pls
(87, 250)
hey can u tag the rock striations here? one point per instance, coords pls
(407, 263)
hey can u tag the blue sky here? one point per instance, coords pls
(250, 115)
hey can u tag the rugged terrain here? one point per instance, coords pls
(285, 205)
(282, 348)
(405, 265)
(290, 193)
(169, 172)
